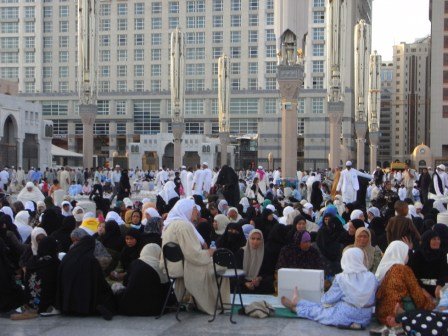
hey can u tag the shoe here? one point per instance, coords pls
(51, 311)
(380, 331)
(27, 315)
(105, 313)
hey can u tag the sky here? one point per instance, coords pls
(396, 21)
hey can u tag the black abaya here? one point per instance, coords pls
(228, 180)
(62, 235)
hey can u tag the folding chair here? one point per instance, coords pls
(173, 253)
(225, 258)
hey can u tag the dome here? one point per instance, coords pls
(421, 150)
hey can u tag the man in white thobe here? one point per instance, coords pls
(159, 179)
(189, 185)
(183, 178)
(198, 181)
(208, 176)
(277, 176)
(348, 183)
(4, 178)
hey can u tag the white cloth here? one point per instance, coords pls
(184, 179)
(188, 187)
(356, 214)
(208, 176)
(402, 193)
(286, 211)
(168, 192)
(182, 211)
(245, 203)
(150, 254)
(348, 184)
(396, 253)
(357, 283)
(34, 195)
(198, 181)
(36, 232)
(153, 213)
(439, 206)
(22, 222)
(112, 215)
(8, 211)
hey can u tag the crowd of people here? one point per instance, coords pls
(381, 240)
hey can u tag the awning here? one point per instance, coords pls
(58, 151)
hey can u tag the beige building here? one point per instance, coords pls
(439, 81)
(386, 142)
(410, 97)
(38, 46)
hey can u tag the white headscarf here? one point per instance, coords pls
(22, 221)
(412, 210)
(112, 215)
(150, 254)
(245, 203)
(286, 211)
(374, 211)
(153, 212)
(182, 211)
(396, 253)
(253, 258)
(168, 192)
(222, 221)
(439, 206)
(221, 208)
(66, 213)
(78, 216)
(8, 211)
(29, 205)
(357, 283)
(34, 195)
(355, 214)
(36, 232)
(238, 217)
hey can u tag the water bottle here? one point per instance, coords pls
(213, 245)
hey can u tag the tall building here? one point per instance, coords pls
(386, 143)
(411, 94)
(438, 14)
(38, 41)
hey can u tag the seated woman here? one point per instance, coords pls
(152, 232)
(378, 227)
(300, 254)
(82, 288)
(233, 238)
(349, 301)
(136, 221)
(398, 285)
(347, 238)
(251, 258)
(220, 223)
(372, 255)
(130, 252)
(233, 215)
(328, 244)
(266, 222)
(167, 198)
(429, 264)
(146, 285)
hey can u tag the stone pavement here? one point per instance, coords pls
(192, 324)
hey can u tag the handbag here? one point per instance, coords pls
(258, 309)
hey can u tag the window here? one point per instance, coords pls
(29, 72)
(300, 126)
(194, 69)
(54, 108)
(217, 37)
(121, 107)
(104, 86)
(156, 23)
(156, 54)
(146, 116)
(195, 6)
(216, 52)
(318, 34)
(122, 55)
(122, 9)
(269, 4)
(63, 41)
(139, 8)
(156, 69)
(139, 54)
(244, 106)
(244, 126)
(173, 22)
(139, 40)
(122, 40)
(48, 11)
(196, 22)
(104, 40)
(139, 23)
(156, 85)
(235, 36)
(9, 57)
(317, 105)
(269, 19)
(60, 127)
(105, 71)
(253, 36)
(253, 4)
(270, 105)
(253, 68)
(104, 9)
(121, 128)
(253, 20)
(271, 67)
(235, 68)
(252, 83)
(318, 17)
(236, 5)
(318, 50)
(271, 51)
(217, 5)
(122, 70)
(122, 24)
(47, 72)
(318, 3)
(174, 7)
(318, 82)
(217, 21)
(63, 71)
(235, 52)
(271, 84)
(301, 106)
(194, 106)
(122, 86)
(253, 52)
(63, 56)
(11, 27)
(103, 107)
(104, 55)
(105, 25)
(194, 128)
(11, 42)
(48, 57)
(156, 39)
(63, 86)
(9, 13)
(9, 72)
(318, 66)
(63, 26)
(29, 12)
(63, 11)
(195, 38)
(156, 8)
(101, 129)
(235, 21)
(215, 68)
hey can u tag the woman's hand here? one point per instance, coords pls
(249, 285)
(408, 242)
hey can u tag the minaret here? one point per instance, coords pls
(87, 63)
(177, 93)
(335, 39)
(291, 26)
(374, 107)
(362, 54)
(224, 105)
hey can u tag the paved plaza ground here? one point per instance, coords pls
(192, 324)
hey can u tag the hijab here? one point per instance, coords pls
(238, 218)
(150, 254)
(356, 282)
(355, 214)
(47, 255)
(286, 211)
(369, 250)
(129, 254)
(152, 212)
(232, 241)
(245, 203)
(112, 238)
(34, 195)
(374, 211)
(442, 231)
(62, 235)
(112, 215)
(168, 192)
(247, 228)
(253, 258)
(66, 213)
(221, 205)
(331, 210)
(36, 232)
(222, 221)
(8, 211)
(396, 254)
(425, 247)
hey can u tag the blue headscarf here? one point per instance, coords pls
(331, 210)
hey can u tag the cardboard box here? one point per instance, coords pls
(309, 282)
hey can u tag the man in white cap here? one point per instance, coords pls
(437, 187)
(208, 176)
(348, 184)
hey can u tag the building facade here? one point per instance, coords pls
(38, 41)
(386, 141)
(438, 15)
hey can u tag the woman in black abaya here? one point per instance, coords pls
(228, 180)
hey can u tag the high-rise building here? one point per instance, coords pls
(38, 41)
(386, 143)
(438, 14)
(410, 97)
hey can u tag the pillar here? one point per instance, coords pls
(335, 113)
(224, 141)
(178, 130)
(374, 140)
(19, 152)
(360, 129)
(87, 112)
